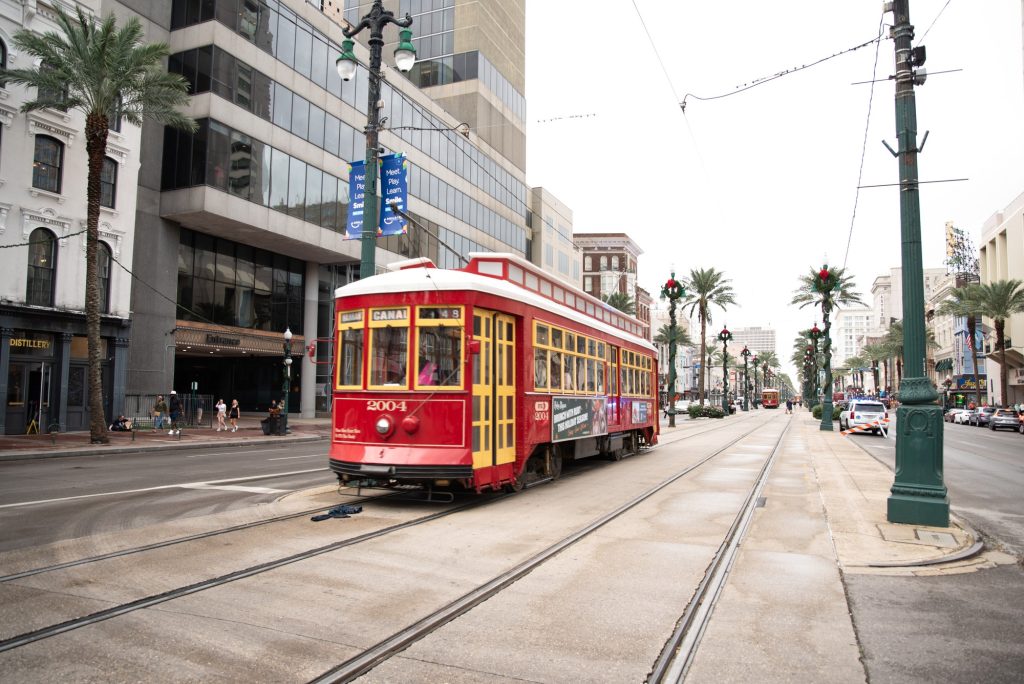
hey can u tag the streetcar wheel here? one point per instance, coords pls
(554, 465)
(516, 486)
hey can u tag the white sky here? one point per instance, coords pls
(761, 184)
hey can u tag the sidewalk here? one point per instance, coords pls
(785, 605)
(19, 447)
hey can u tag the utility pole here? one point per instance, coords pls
(919, 496)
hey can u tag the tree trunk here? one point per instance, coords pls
(972, 323)
(703, 353)
(1004, 372)
(96, 148)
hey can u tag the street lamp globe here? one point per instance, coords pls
(287, 335)
(405, 53)
(346, 62)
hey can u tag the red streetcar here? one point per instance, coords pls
(770, 398)
(482, 378)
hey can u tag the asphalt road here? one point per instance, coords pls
(48, 500)
(984, 472)
(979, 615)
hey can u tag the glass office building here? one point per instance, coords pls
(242, 223)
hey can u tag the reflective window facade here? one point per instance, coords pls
(221, 281)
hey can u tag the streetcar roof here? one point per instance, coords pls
(421, 277)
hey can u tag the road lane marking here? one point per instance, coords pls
(170, 486)
(236, 488)
(288, 458)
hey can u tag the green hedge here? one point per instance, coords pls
(816, 412)
(707, 411)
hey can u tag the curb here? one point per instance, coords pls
(92, 450)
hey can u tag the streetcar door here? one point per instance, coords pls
(493, 389)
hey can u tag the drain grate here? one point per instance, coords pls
(760, 502)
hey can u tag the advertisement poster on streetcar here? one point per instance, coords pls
(641, 411)
(575, 417)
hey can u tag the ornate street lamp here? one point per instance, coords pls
(757, 386)
(919, 495)
(746, 383)
(405, 56)
(815, 333)
(825, 283)
(286, 387)
(725, 336)
(673, 291)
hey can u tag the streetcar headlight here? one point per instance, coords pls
(383, 426)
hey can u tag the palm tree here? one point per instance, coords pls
(963, 303)
(999, 300)
(621, 301)
(855, 364)
(706, 288)
(104, 72)
(664, 336)
(877, 353)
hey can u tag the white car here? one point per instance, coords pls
(862, 412)
(682, 405)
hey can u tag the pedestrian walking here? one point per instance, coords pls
(159, 413)
(175, 411)
(234, 413)
(222, 411)
(789, 406)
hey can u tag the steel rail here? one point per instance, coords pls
(677, 654)
(387, 648)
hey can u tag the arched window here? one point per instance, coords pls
(108, 183)
(47, 164)
(42, 267)
(58, 96)
(104, 262)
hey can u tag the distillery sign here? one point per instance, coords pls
(223, 341)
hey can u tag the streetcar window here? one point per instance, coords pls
(556, 338)
(581, 374)
(568, 381)
(570, 341)
(581, 344)
(600, 377)
(439, 357)
(389, 356)
(591, 347)
(350, 360)
(350, 350)
(600, 350)
(540, 368)
(591, 376)
(556, 370)
(542, 335)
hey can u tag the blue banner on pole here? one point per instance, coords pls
(357, 196)
(394, 184)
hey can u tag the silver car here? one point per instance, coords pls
(1004, 418)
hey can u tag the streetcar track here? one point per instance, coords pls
(257, 523)
(677, 655)
(156, 599)
(387, 648)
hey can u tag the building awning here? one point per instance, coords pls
(944, 365)
(196, 338)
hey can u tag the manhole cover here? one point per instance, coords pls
(943, 539)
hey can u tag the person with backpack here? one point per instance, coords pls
(175, 411)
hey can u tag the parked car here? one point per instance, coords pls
(950, 414)
(982, 416)
(862, 412)
(1004, 418)
(682, 405)
(964, 417)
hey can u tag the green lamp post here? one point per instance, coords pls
(757, 385)
(919, 494)
(815, 334)
(746, 382)
(286, 383)
(725, 336)
(673, 291)
(405, 56)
